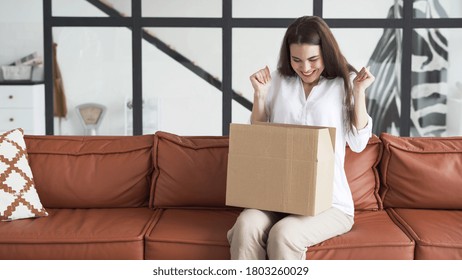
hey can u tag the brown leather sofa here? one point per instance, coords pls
(162, 196)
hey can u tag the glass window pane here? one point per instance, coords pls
(353, 46)
(21, 30)
(187, 103)
(436, 94)
(82, 8)
(124, 7)
(240, 113)
(361, 9)
(437, 8)
(253, 49)
(182, 8)
(272, 8)
(381, 51)
(202, 46)
(96, 68)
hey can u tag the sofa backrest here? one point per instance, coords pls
(421, 172)
(91, 172)
(191, 172)
(363, 176)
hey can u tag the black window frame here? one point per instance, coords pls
(136, 23)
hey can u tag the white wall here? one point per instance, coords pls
(21, 29)
(96, 62)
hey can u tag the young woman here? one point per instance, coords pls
(313, 85)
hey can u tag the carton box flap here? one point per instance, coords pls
(282, 141)
(331, 130)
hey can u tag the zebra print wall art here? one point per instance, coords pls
(429, 75)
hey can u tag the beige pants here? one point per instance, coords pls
(258, 234)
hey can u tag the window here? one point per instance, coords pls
(215, 45)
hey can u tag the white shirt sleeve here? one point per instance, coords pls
(357, 139)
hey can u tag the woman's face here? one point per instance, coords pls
(306, 60)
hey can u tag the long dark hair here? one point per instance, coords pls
(313, 30)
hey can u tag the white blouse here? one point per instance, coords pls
(286, 103)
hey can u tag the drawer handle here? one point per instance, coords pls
(10, 96)
(11, 119)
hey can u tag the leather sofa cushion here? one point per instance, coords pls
(116, 233)
(181, 162)
(91, 172)
(362, 174)
(421, 172)
(373, 236)
(201, 234)
(189, 171)
(190, 234)
(436, 233)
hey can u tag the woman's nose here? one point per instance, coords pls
(306, 66)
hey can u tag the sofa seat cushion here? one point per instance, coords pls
(77, 234)
(190, 234)
(437, 233)
(373, 236)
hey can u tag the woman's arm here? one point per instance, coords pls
(261, 81)
(360, 83)
(258, 109)
(357, 140)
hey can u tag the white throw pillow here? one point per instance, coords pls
(18, 196)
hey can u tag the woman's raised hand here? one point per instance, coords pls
(363, 80)
(261, 81)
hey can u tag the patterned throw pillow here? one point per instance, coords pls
(18, 196)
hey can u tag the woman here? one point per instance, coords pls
(313, 85)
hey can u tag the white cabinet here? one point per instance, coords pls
(22, 106)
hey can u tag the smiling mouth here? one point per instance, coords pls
(308, 74)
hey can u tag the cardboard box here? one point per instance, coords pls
(279, 167)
